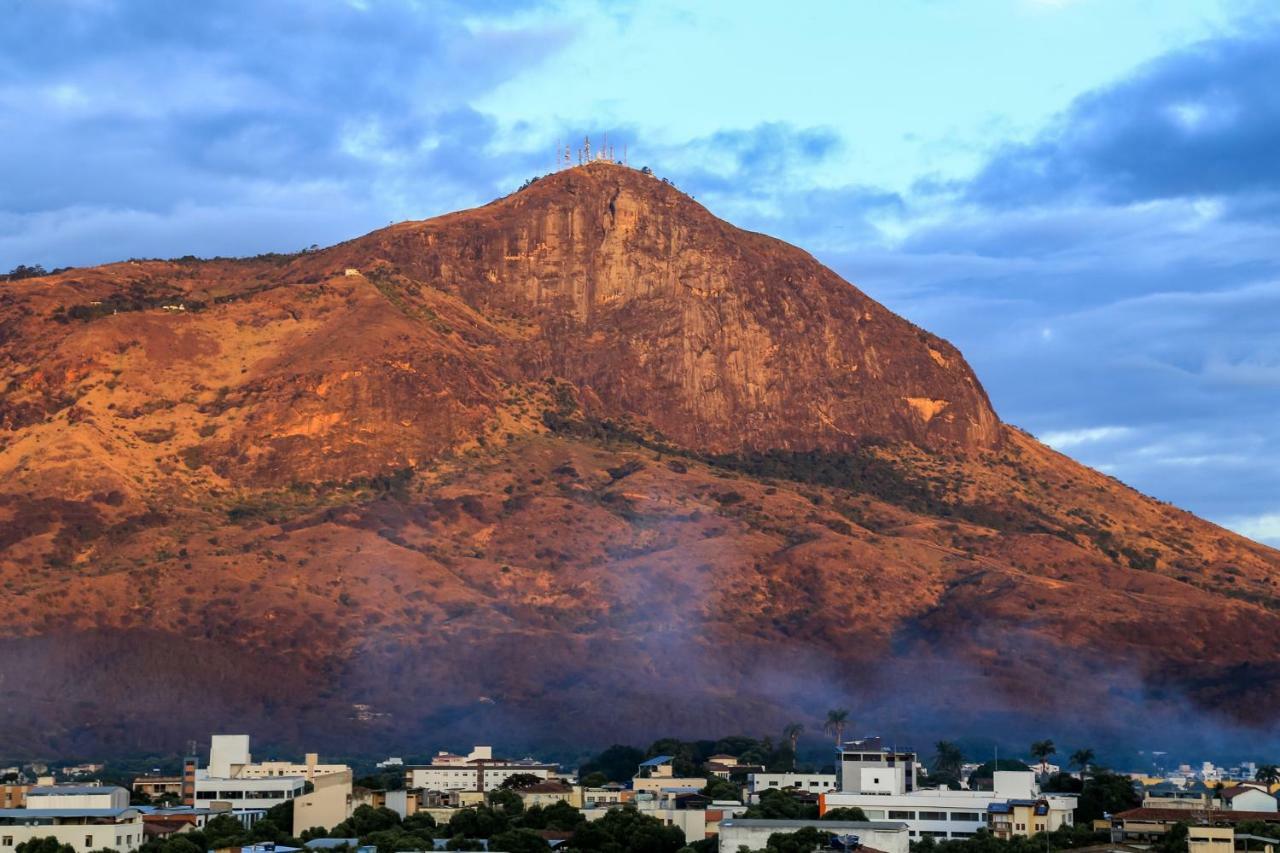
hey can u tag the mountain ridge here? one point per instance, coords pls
(484, 471)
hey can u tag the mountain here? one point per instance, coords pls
(585, 464)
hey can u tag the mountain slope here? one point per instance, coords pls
(586, 453)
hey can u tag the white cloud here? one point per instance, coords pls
(1063, 439)
(1263, 528)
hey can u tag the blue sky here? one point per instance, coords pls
(1084, 195)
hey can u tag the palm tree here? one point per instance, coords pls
(1041, 750)
(1268, 774)
(1082, 758)
(947, 758)
(792, 733)
(837, 719)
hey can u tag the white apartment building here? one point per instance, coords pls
(232, 778)
(86, 817)
(814, 783)
(884, 786)
(477, 771)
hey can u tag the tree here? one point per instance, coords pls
(846, 813)
(507, 800)
(595, 779)
(947, 758)
(803, 840)
(1267, 774)
(1173, 841)
(518, 781)
(722, 789)
(792, 734)
(518, 841)
(837, 719)
(1082, 758)
(626, 831)
(1041, 750)
(48, 844)
(1105, 793)
(780, 805)
(618, 763)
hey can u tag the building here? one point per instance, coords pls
(866, 767)
(889, 837)
(658, 773)
(158, 786)
(13, 796)
(818, 783)
(328, 804)
(86, 817)
(549, 793)
(1210, 839)
(1148, 824)
(233, 779)
(477, 771)
(1167, 795)
(163, 822)
(697, 816)
(1013, 818)
(48, 797)
(884, 786)
(1247, 798)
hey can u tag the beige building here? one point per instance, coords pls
(157, 786)
(328, 804)
(658, 773)
(551, 792)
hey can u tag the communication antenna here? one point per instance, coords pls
(624, 154)
(586, 148)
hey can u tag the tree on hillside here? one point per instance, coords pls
(837, 719)
(947, 758)
(1041, 750)
(1081, 759)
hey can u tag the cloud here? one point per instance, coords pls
(1199, 122)
(1065, 439)
(136, 111)
(1264, 528)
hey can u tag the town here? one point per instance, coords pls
(736, 794)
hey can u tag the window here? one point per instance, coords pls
(933, 815)
(1022, 826)
(88, 842)
(895, 815)
(972, 817)
(7, 841)
(964, 835)
(928, 833)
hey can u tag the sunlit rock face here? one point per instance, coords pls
(586, 464)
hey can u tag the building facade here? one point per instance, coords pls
(82, 816)
(477, 771)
